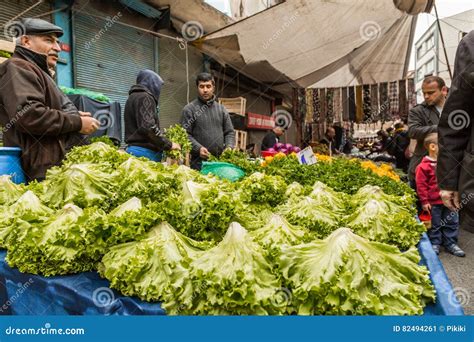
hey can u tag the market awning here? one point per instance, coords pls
(319, 43)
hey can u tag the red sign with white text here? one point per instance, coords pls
(259, 121)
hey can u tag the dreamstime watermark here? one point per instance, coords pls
(22, 288)
(286, 24)
(282, 118)
(46, 330)
(281, 298)
(108, 24)
(452, 215)
(102, 297)
(21, 110)
(459, 295)
(370, 30)
(105, 117)
(14, 29)
(458, 119)
(196, 293)
(376, 115)
(192, 30)
(190, 121)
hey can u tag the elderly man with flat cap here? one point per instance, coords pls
(33, 111)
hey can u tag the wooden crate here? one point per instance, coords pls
(236, 105)
(7, 46)
(240, 140)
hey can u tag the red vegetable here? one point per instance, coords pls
(296, 149)
(278, 146)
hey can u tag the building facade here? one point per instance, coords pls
(429, 54)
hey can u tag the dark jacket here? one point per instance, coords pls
(269, 140)
(397, 147)
(456, 133)
(208, 124)
(422, 120)
(141, 114)
(31, 112)
(426, 184)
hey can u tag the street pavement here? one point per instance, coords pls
(460, 271)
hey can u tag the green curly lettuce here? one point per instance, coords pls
(9, 191)
(232, 278)
(262, 188)
(309, 213)
(178, 135)
(152, 268)
(346, 274)
(65, 243)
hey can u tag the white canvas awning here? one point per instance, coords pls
(320, 43)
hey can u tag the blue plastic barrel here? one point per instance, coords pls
(10, 164)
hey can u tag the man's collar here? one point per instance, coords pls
(41, 60)
(208, 102)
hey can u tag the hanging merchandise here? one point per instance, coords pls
(384, 102)
(411, 93)
(337, 105)
(393, 97)
(329, 103)
(367, 105)
(315, 132)
(308, 134)
(322, 99)
(402, 97)
(309, 105)
(374, 99)
(345, 104)
(316, 106)
(302, 104)
(352, 104)
(359, 104)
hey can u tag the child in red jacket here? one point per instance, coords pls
(444, 222)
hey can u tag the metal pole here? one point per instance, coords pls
(442, 42)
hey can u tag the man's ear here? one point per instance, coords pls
(444, 90)
(25, 40)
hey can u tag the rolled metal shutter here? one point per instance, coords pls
(172, 66)
(108, 56)
(10, 9)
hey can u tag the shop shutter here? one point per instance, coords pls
(108, 56)
(172, 68)
(10, 9)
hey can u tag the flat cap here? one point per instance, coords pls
(34, 26)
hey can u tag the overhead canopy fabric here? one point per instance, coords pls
(320, 43)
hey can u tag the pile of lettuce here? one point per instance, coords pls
(346, 274)
(203, 245)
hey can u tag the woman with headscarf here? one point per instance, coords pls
(142, 127)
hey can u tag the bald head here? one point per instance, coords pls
(330, 132)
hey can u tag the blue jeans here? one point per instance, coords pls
(444, 226)
(138, 151)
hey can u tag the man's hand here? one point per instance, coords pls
(426, 207)
(204, 153)
(175, 146)
(450, 199)
(89, 125)
(85, 113)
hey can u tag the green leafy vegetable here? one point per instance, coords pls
(84, 184)
(178, 135)
(63, 244)
(346, 274)
(9, 191)
(309, 213)
(262, 188)
(232, 278)
(153, 268)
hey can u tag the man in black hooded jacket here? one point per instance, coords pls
(142, 125)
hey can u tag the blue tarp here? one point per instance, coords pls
(88, 294)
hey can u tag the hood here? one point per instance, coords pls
(151, 81)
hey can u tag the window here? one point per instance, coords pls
(420, 74)
(429, 66)
(419, 51)
(429, 43)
